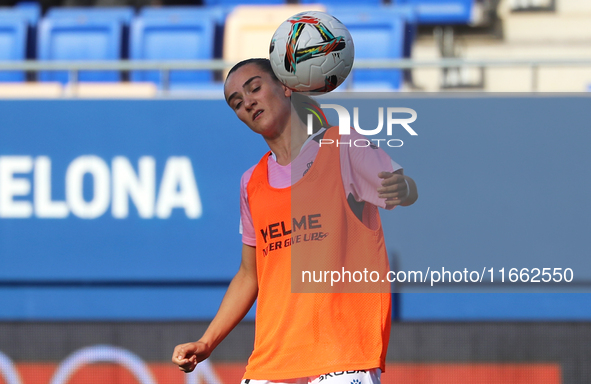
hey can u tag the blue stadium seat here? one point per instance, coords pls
(333, 3)
(441, 11)
(243, 2)
(174, 36)
(82, 39)
(218, 14)
(378, 33)
(13, 42)
(121, 14)
(30, 13)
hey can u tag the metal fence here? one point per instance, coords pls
(74, 67)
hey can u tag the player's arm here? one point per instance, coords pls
(237, 301)
(397, 189)
(375, 178)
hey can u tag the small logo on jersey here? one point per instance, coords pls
(309, 165)
(315, 236)
(340, 373)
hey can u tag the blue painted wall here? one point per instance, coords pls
(503, 183)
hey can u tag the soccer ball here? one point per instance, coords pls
(312, 52)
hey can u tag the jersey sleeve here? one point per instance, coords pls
(246, 225)
(360, 166)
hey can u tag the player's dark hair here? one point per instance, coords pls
(264, 64)
(303, 104)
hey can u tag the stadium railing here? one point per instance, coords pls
(165, 67)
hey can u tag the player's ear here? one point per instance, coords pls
(286, 90)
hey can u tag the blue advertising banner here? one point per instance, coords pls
(119, 192)
(115, 209)
(121, 189)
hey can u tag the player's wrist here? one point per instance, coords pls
(209, 345)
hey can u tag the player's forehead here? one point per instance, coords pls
(248, 72)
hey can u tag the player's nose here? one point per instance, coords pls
(249, 102)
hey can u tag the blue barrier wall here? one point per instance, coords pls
(503, 183)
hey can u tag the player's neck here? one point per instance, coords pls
(287, 146)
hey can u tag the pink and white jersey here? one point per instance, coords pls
(359, 170)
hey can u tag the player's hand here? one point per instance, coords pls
(188, 355)
(394, 189)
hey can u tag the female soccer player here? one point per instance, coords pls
(335, 337)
